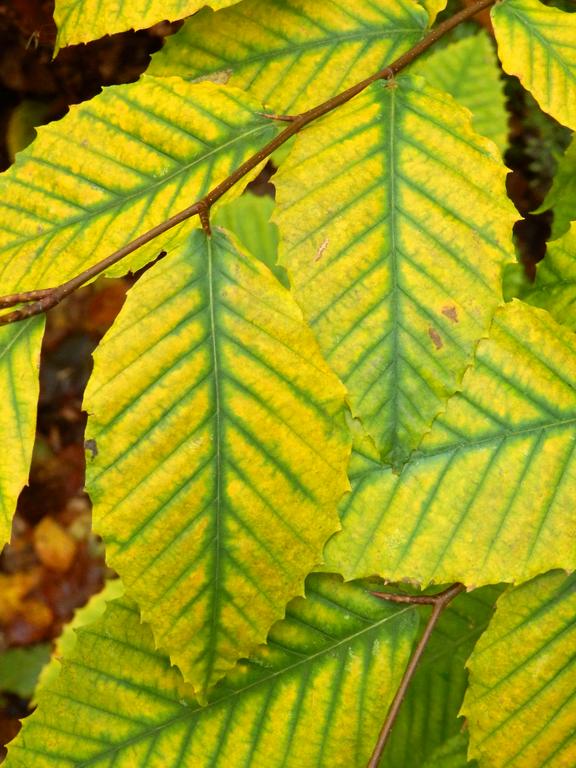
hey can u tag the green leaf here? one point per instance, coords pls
(451, 754)
(313, 698)
(115, 167)
(468, 71)
(561, 198)
(19, 385)
(221, 452)
(292, 54)
(555, 285)
(429, 714)
(79, 21)
(248, 218)
(520, 701)
(536, 43)
(394, 225)
(489, 495)
(20, 667)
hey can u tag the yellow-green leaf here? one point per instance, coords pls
(313, 698)
(520, 702)
(536, 43)
(394, 225)
(221, 453)
(19, 385)
(433, 7)
(468, 71)
(561, 198)
(292, 54)
(429, 713)
(113, 168)
(79, 21)
(489, 496)
(555, 285)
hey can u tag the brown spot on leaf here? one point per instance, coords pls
(321, 250)
(450, 313)
(435, 336)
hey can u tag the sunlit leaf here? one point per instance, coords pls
(292, 54)
(451, 754)
(536, 43)
(433, 7)
(19, 369)
(221, 453)
(489, 496)
(394, 225)
(313, 698)
(113, 168)
(79, 21)
(520, 703)
(468, 70)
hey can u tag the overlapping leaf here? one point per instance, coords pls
(79, 21)
(451, 754)
(468, 71)
(520, 703)
(19, 385)
(536, 43)
(292, 54)
(115, 167)
(394, 225)
(248, 218)
(313, 698)
(221, 452)
(429, 714)
(555, 285)
(433, 7)
(490, 495)
(561, 198)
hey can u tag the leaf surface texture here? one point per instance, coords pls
(118, 702)
(495, 475)
(113, 168)
(520, 703)
(394, 226)
(221, 452)
(292, 54)
(536, 43)
(79, 21)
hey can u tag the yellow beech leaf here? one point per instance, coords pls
(19, 385)
(536, 43)
(468, 70)
(79, 21)
(119, 702)
(555, 286)
(113, 168)
(433, 7)
(394, 225)
(220, 452)
(292, 54)
(489, 495)
(519, 703)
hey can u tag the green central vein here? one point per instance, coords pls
(218, 454)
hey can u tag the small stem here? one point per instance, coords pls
(42, 300)
(439, 602)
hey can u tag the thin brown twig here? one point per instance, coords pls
(439, 601)
(39, 301)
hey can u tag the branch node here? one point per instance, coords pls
(204, 213)
(279, 118)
